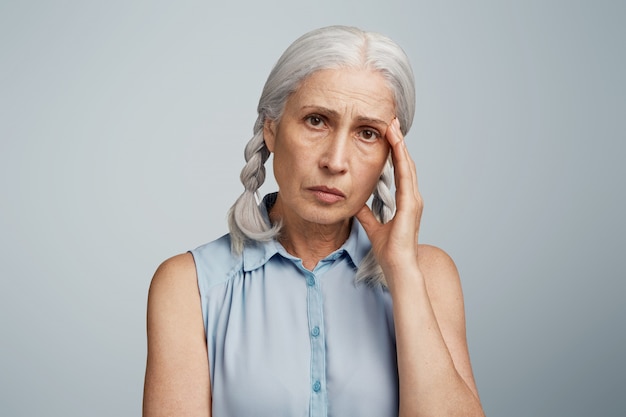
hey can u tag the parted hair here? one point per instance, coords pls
(330, 47)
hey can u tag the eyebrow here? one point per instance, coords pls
(333, 113)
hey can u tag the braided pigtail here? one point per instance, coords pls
(384, 203)
(383, 207)
(245, 220)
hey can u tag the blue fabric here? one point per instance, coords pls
(285, 341)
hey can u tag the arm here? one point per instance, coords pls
(177, 372)
(434, 370)
(433, 361)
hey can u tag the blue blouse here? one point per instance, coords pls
(285, 341)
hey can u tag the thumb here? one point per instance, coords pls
(367, 219)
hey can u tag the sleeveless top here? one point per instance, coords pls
(285, 341)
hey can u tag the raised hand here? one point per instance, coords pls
(395, 243)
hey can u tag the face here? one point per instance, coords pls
(329, 146)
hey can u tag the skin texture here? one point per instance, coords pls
(330, 146)
(177, 378)
(434, 368)
(331, 134)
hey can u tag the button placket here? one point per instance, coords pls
(317, 386)
(317, 340)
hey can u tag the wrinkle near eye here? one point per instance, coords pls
(314, 120)
(342, 103)
(369, 135)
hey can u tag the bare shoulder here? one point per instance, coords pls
(177, 381)
(440, 273)
(433, 256)
(444, 287)
(174, 287)
(446, 296)
(174, 273)
(174, 309)
(174, 302)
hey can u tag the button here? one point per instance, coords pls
(315, 331)
(310, 281)
(317, 386)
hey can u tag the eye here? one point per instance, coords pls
(369, 135)
(314, 120)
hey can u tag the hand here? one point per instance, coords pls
(395, 243)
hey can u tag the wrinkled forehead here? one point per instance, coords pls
(358, 91)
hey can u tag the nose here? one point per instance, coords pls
(334, 157)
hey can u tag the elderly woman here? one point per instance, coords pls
(314, 304)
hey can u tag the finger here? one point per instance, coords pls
(408, 199)
(415, 198)
(413, 190)
(368, 220)
(413, 170)
(394, 134)
(404, 167)
(395, 139)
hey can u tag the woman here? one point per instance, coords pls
(314, 304)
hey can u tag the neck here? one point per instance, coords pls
(309, 241)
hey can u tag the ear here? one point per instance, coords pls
(269, 134)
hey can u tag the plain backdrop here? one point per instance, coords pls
(122, 127)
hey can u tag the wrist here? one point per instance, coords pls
(400, 264)
(403, 274)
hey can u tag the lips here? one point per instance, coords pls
(327, 194)
(324, 189)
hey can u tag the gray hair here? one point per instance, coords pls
(325, 48)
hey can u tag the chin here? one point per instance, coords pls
(325, 216)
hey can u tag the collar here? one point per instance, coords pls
(257, 254)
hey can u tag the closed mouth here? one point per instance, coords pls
(328, 190)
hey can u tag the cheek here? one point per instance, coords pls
(368, 178)
(375, 170)
(289, 167)
(280, 168)
(377, 163)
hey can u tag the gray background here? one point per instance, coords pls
(122, 126)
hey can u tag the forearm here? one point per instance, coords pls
(430, 385)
